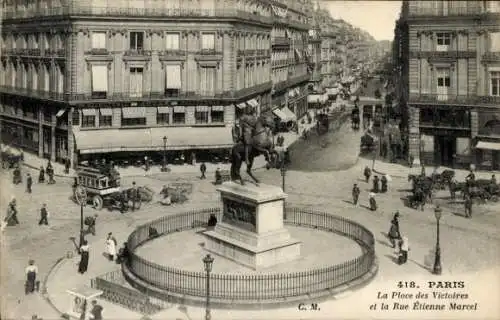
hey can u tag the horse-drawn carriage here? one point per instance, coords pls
(103, 189)
(368, 143)
(11, 157)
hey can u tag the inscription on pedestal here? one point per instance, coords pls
(239, 214)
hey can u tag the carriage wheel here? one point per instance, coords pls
(97, 202)
(494, 198)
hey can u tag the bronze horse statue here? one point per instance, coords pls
(261, 143)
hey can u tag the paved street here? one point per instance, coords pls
(326, 191)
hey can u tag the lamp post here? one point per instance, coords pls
(208, 261)
(81, 198)
(283, 170)
(437, 258)
(164, 165)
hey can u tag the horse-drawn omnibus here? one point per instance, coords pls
(99, 184)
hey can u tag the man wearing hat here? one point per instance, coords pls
(355, 194)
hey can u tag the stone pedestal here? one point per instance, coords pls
(252, 232)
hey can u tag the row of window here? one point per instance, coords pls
(32, 41)
(31, 77)
(207, 116)
(443, 82)
(444, 41)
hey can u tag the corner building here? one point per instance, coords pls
(91, 79)
(289, 74)
(454, 82)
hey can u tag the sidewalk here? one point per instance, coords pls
(34, 162)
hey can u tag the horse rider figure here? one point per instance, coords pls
(247, 125)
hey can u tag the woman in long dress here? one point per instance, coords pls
(111, 246)
(31, 273)
(84, 257)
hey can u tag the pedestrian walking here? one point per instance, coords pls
(66, 166)
(133, 195)
(44, 214)
(404, 247)
(493, 179)
(203, 169)
(31, 283)
(355, 194)
(123, 254)
(41, 175)
(376, 187)
(84, 257)
(468, 206)
(29, 183)
(394, 233)
(146, 163)
(383, 181)
(96, 311)
(11, 218)
(367, 173)
(111, 244)
(373, 202)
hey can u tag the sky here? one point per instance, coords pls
(376, 17)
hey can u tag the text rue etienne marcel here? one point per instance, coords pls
(406, 301)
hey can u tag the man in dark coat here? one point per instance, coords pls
(468, 206)
(134, 195)
(29, 183)
(367, 173)
(375, 184)
(44, 214)
(96, 311)
(355, 194)
(203, 169)
(384, 181)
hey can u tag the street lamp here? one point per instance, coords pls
(81, 198)
(164, 165)
(283, 170)
(208, 261)
(437, 257)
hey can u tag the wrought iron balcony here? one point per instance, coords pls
(443, 55)
(491, 57)
(82, 10)
(453, 99)
(280, 41)
(456, 11)
(209, 52)
(134, 96)
(98, 51)
(137, 52)
(166, 54)
(280, 86)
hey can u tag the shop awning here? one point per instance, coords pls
(277, 112)
(106, 111)
(133, 112)
(179, 109)
(151, 139)
(332, 91)
(202, 108)
(60, 113)
(88, 112)
(241, 105)
(253, 103)
(164, 109)
(290, 115)
(313, 98)
(488, 145)
(217, 108)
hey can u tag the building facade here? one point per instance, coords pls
(81, 80)
(454, 82)
(289, 74)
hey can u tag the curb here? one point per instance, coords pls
(45, 291)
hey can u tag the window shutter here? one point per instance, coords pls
(99, 78)
(173, 77)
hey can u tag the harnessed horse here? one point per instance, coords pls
(261, 144)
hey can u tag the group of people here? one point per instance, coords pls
(398, 242)
(376, 188)
(50, 173)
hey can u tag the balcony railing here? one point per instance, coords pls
(491, 57)
(453, 99)
(436, 55)
(457, 11)
(98, 51)
(172, 53)
(281, 41)
(137, 53)
(280, 86)
(134, 96)
(209, 52)
(76, 9)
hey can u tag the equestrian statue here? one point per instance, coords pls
(253, 136)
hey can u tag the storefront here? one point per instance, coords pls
(445, 147)
(487, 148)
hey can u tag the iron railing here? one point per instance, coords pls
(491, 57)
(76, 9)
(134, 96)
(470, 99)
(256, 286)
